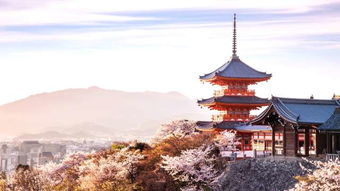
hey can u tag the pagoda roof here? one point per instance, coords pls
(231, 125)
(333, 123)
(234, 100)
(252, 128)
(205, 125)
(223, 125)
(235, 68)
(301, 111)
(228, 124)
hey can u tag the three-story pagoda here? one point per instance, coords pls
(234, 100)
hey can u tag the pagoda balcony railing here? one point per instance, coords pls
(234, 92)
(231, 117)
(218, 117)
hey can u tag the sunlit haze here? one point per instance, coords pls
(164, 45)
(174, 95)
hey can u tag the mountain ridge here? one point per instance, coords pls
(109, 111)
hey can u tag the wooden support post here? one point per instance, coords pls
(242, 142)
(316, 145)
(284, 141)
(328, 150)
(273, 141)
(296, 142)
(307, 141)
(264, 142)
(333, 143)
(336, 143)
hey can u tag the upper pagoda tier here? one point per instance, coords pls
(223, 102)
(235, 71)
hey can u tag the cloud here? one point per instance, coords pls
(147, 5)
(113, 40)
(40, 16)
(26, 4)
(157, 27)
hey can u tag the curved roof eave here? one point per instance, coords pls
(265, 76)
(248, 100)
(261, 115)
(332, 123)
(235, 68)
(337, 102)
(279, 110)
(284, 115)
(213, 75)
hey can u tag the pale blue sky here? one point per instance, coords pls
(165, 45)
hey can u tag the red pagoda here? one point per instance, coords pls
(234, 100)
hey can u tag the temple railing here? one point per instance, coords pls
(237, 117)
(261, 153)
(232, 117)
(218, 117)
(332, 156)
(233, 155)
(234, 92)
(218, 93)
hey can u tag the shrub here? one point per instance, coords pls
(117, 146)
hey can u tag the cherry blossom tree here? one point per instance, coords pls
(325, 177)
(110, 172)
(26, 178)
(195, 168)
(66, 174)
(227, 140)
(94, 173)
(177, 129)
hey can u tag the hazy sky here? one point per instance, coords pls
(164, 45)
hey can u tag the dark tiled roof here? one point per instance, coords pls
(235, 100)
(235, 68)
(231, 125)
(206, 125)
(333, 123)
(253, 128)
(301, 111)
(228, 124)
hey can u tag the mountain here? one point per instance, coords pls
(44, 135)
(95, 111)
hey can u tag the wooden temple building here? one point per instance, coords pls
(331, 130)
(302, 127)
(234, 100)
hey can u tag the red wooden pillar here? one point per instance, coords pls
(273, 141)
(307, 141)
(296, 141)
(242, 141)
(327, 143)
(284, 140)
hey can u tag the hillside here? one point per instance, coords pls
(95, 111)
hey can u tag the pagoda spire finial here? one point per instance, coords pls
(234, 37)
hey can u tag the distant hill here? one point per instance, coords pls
(44, 135)
(55, 135)
(96, 112)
